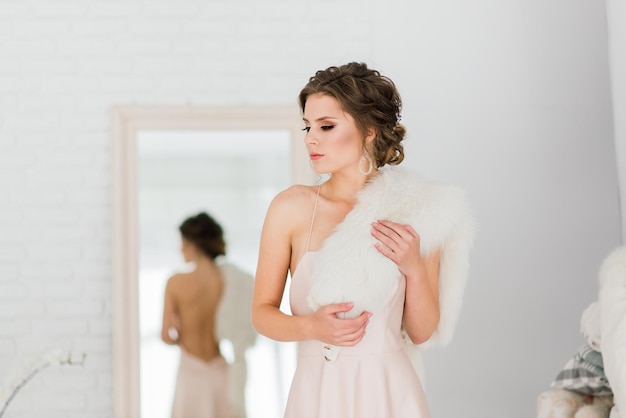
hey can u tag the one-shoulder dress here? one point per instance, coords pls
(373, 379)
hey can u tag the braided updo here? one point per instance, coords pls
(371, 99)
(205, 233)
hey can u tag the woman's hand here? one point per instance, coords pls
(330, 329)
(400, 243)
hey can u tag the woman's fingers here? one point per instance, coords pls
(390, 242)
(411, 231)
(385, 231)
(345, 332)
(336, 308)
(398, 242)
(393, 229)
(395, 236)
(350, 338)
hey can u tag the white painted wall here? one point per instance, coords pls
(616, 13)
(507, 99)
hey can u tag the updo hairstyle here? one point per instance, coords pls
(371, 99)
(205, 233)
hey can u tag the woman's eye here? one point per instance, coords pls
(306, 128)
(327, 128)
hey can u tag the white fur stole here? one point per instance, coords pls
(350, 269)
(234, 325)
(613, 322)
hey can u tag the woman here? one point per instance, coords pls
(189, 320)
(377, 256)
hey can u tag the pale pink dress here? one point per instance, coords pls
(374, 379)
(201, 388)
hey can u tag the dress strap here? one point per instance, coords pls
(308, 238)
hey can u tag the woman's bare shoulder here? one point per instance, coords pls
(294, 198)
(290, 211)
(177, 280)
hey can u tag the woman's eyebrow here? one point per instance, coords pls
(320, 119)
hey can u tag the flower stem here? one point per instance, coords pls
(33, 374)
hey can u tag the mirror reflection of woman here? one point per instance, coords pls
(190, 321)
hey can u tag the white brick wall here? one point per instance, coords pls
(63, 64)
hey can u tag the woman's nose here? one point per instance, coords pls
(309, 138)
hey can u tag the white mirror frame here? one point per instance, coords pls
(127, 121)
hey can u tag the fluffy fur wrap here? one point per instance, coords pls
(350, 268)
(613, 322)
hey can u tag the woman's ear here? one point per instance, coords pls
(370, 135)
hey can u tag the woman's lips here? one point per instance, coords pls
(315, 156)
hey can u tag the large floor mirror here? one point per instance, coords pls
(168, 164)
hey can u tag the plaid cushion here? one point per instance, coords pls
(584, 373)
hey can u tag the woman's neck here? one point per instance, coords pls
(346, 187)
(204, 263)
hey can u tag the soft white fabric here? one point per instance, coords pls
(349, 268)
(590, 326)
(234, 325)
(613, 322)
(614, 413)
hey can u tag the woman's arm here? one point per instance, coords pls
(271, 275)
(421, 305)
(169, 329)
(280, 226)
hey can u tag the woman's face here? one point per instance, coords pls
(332, 138)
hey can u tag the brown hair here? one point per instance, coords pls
(371, 99)
(204, 232)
